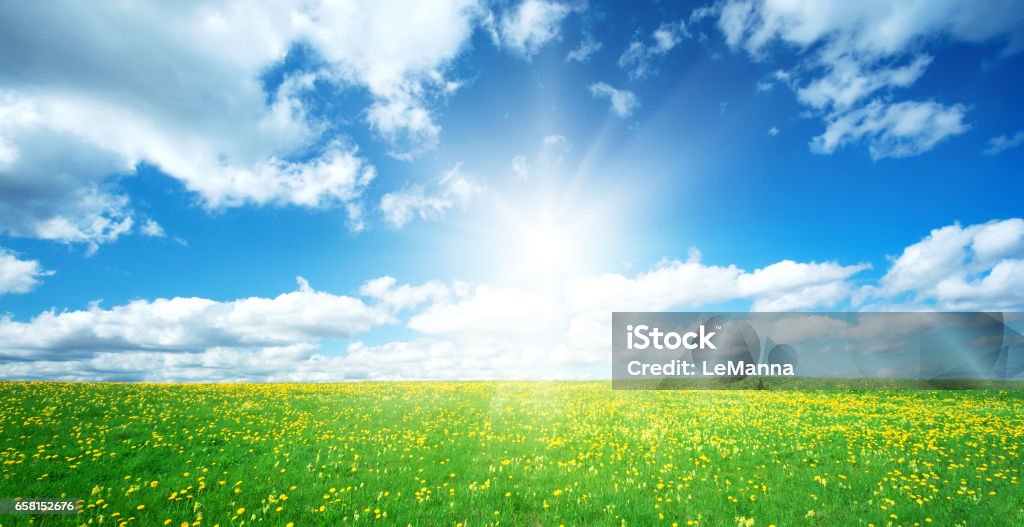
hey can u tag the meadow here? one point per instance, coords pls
(510, 453)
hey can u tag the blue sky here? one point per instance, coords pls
(469, 189)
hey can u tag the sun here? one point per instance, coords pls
(541, 238)
(546, 248)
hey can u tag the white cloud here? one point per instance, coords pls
(893, 130)
(773, 131)
(19, 276)
(555, 141)
(399, 208)
(189, 324)
(998, 289)
(8, 152)
(419, 359)
(487, 310)
(521, 168)
(212, 365)
(447, 360)
(846, 82)
(588, 46)
(853, 50)
(545, 331)
(152, 228)
(401, 60)
(39, 196)
(868, 28)
(673, 283)
(405, 124)
(552, 152)
(785, 285)
(553, 149)
(978, 267)
(180, 89)
(403, 296)
(638, 57)
(623, 102)
(790, 286)
(528, 27)
(925, 263)
(1002, 143)
(486, 331)
(453, 189)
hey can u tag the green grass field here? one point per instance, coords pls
(510, 453)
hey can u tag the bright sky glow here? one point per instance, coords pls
(350, 190)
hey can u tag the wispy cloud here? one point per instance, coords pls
(521, 168)
(587, 47)
(623, 102)
(1003, 143)
(893, 130)
(854, 57)
(638, 58)
(453, 189)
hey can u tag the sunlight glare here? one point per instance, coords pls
(546, 249)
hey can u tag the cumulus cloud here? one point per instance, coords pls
(792, 286)
(399, 360)
(453, 189)
(623, 102)
(50, 183)
(397, 297)
(544, 330)
(528, 27)
(638, 58)
(786, 285)
(571, 328)
(181, 89)
(406, 124)
(1002, 143)
(487, 310)
(17, 275)
(212, 365)
(977, 267)
(487, 330)
(855, 55)
(189, 325)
